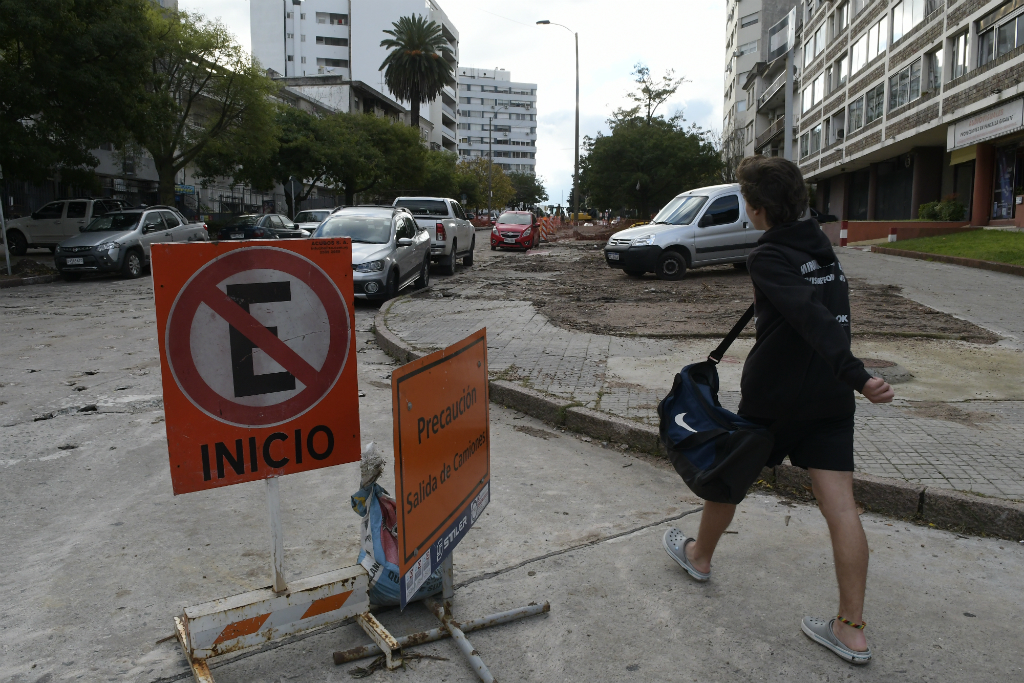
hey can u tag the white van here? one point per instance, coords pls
(702, 227)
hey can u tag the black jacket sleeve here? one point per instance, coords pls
(794, 298)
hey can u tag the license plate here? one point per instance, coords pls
(510, 240)
(75, 261)
(238, 235)
(613, 256)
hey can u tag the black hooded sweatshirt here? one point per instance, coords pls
(801, 366)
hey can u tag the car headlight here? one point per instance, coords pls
(109, 247)
(370, 267)
(645, 241)
(526, 233)
(495, 232)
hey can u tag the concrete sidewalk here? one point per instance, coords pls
(962, 430)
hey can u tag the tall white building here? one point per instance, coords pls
(487, 93)
(340, 39)
(743, 43)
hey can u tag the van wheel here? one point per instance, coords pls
(671, 266)
(467, 260)
(16, 242)
(132, 266)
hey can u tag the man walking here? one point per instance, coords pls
(799, 378)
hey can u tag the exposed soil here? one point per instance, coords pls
(948, 412)
(26, 267)
(571, 284)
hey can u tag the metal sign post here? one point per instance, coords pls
(443, 482)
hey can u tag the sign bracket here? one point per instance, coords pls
(276, 535)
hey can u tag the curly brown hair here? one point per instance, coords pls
(774, 184)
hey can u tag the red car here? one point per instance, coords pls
(515, 230)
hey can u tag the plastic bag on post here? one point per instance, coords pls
(378, 552)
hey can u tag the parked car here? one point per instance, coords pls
(268, 226)
(311, 219)
(822, 217)
(120, 241)
(389, 250)
(515, 230)
(701, 227)
(57, 221)
(452, 235)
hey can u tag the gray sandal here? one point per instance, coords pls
(675, 543)
(820, 631)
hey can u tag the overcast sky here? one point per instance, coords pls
(685, 35)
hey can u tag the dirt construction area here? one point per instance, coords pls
(571, 284)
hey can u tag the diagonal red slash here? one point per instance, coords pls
(259, 335)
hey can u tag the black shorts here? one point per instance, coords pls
(824, 444)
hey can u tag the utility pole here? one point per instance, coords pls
(576, 165)
(490, 156)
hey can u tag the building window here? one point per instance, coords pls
(840, 19)
(303, 60)
(813, 93)
(302, 38)
(804, 149)
(874, 103)
(747, 48)
(750, 19)
(289, 14)
(327, 40)
(749, 133)
(291, 58)
(815, 141)
(302, 16)
(856, 110)
(331, 63)
(933, 62)
(819, 40)
(997, 36)
(868, 46)
(857, 6)
(330, 18)
(905, 85)
(958, 46)
(289, 36)
(906, 14)
(836, 128)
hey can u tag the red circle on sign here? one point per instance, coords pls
(202, 288)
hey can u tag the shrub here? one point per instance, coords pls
(951, 211)
(929, 211)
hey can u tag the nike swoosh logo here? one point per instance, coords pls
(682, 423)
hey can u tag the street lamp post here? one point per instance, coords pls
(490, 156)
(576, 167)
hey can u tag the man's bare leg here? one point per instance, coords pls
(834, 492)
(713, 522)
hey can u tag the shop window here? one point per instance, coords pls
(905, 85)
(1003, 184)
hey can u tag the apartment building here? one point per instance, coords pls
(902, 102)
(338, 41)
(500, 115)
(743, 43)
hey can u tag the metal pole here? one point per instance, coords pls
(787, 133)
(460, 639)
(276, 537)
(576, 172)
(3, 228)
(439, 633)
(490, 160)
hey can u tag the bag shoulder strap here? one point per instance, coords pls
(716, 355)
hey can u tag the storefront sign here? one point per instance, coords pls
(184, 189)
(986, 125)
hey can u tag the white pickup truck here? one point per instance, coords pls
(452, 235)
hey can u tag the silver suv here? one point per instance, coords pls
(389, 250)
(57, 221)
(120, 241)
(452, 235)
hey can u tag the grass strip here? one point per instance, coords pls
(1001, 246)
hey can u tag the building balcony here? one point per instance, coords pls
(448, 133)
(447, 113)
(774, 94)
(767, 136)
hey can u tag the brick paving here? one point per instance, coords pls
(985, 457)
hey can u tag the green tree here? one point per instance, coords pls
(382, 158)
(477, 171)
(648, 158)
(419, 64)
(72, 73)
(529, 189)
(206, 96)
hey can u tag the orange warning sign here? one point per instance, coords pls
(442, 454)
(257, 355)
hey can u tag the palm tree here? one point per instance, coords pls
(418, 65)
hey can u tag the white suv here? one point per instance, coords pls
(452, 235)
(56, 222)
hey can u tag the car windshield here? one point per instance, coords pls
(424, 207)
(361, 228)
(311, 216)
(515, 219)
(243, 221)
(680, 211)
(116, 222)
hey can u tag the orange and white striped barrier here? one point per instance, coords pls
(242, 621)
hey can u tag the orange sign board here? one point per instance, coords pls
(257, 356)
(442, 454)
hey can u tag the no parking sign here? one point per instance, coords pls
(256, 342)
